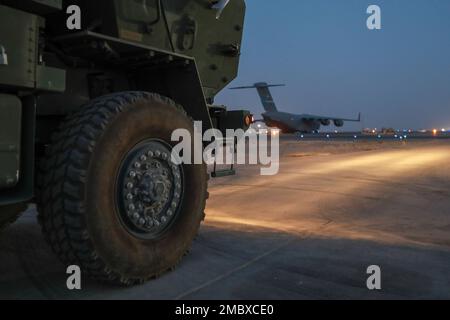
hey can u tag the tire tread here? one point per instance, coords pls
(61, 183)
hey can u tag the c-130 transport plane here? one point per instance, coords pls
(288, 122)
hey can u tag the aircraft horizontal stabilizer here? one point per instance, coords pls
(258, 85)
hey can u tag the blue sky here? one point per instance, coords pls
(333, 65)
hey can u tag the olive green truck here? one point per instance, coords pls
(90, 94)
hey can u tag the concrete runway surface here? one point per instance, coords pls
(310, 232)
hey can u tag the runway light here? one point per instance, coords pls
(443, 130)
(328, 136)
(356, 137)
(434, 131)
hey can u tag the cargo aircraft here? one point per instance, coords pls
(288, 122)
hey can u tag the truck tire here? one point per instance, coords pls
(9, 214)
(111, 201)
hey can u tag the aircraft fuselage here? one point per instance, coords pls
(291, 123)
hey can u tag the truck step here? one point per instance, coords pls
(223, 173)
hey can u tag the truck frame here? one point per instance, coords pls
(86, 117)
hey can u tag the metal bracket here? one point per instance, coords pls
(226, 172)
(3, 56)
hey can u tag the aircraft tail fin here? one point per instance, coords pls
(264, 93)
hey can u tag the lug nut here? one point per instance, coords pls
(143, 158)
(132, 174)
(150, 154)
(129, 196)
(130, 185)
(137, 165)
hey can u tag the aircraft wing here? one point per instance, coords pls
(319, 118)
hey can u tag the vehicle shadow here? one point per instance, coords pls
(234, 261)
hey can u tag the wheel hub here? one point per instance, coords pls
(149, 189)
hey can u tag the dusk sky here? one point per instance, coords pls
(333, 65)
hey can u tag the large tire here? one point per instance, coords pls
(10, 213)
(82, 212)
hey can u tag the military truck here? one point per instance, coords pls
(86, 118)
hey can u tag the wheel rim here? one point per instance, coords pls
(149, 190)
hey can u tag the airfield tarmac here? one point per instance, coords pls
(335, 208)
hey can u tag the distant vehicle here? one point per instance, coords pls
(388, 131)
(369, 131)
(288, 122)
(261, 128)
